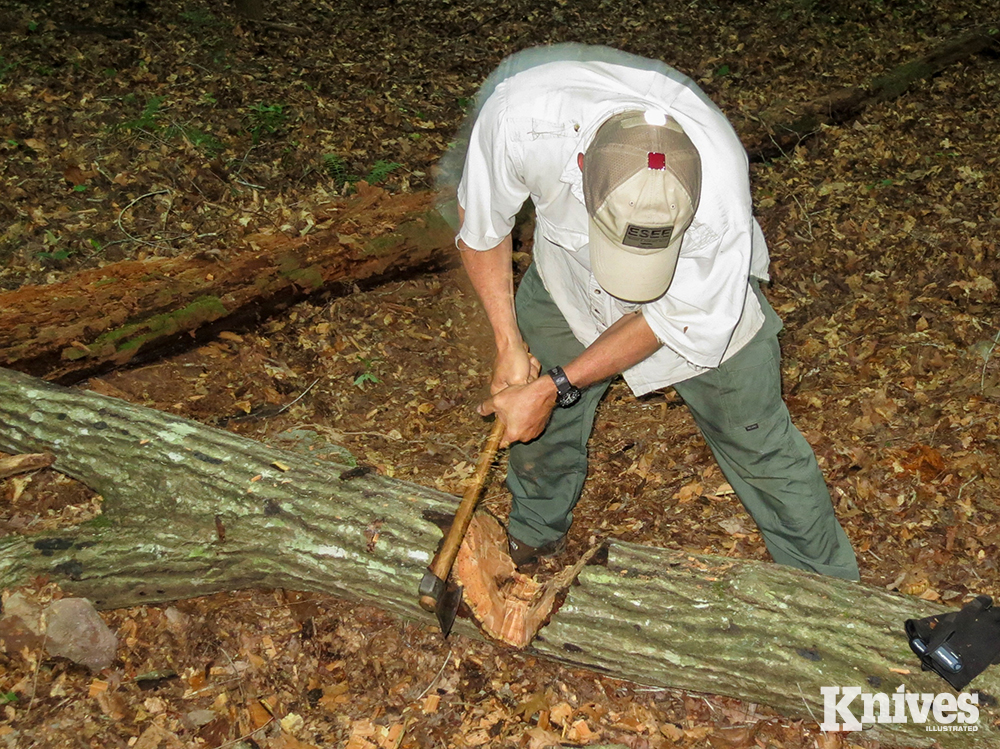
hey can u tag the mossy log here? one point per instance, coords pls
(137, 310)
(190, 510)
(787, 124)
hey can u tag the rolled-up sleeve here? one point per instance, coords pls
(492, 190)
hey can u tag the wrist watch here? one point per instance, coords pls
(568, 392)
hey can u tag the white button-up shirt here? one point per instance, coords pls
(539, 110)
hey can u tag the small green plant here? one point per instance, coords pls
(7, 697)
(54, 256)
(54, 253)
(336, 167)
(6, 67)
(266, 119)
(198, 138)
(380, 170)
(147, 121)
(366, 376)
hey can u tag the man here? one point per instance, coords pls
(647, 262)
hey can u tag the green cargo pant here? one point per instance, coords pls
(741, 414)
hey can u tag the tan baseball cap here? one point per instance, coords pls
(641, 184)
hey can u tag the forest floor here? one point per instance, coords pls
(135, 129)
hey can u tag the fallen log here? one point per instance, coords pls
(788, 124)
(190, 510)
(134, 311)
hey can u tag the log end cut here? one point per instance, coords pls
(510, 606)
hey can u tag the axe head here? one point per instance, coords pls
(441, 597)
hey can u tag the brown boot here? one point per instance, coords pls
(522, 554)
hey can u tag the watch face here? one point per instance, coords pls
(568, 398)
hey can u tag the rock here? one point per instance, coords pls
(20, 625)
(199, 718)
(177, 620)
(76, 631)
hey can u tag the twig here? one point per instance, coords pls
(303, 395)
(456, 448)
(248, 184)
(244, 738)
(986, 360)
(236, 671)
(805, 215)
(34, 679)
(278, 26)
(126, 208)
(962, 488)
(402, 733)
(806, 703)
(436, 677)
(216, 685)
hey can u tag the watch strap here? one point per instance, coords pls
(563, 385)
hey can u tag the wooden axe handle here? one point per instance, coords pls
(443, 562)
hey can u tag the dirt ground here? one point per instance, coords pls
(883, 236)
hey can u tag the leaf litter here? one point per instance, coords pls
(138, 130)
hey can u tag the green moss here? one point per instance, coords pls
(133, 336)
(383, 245)
(100, 521)
(308, 278)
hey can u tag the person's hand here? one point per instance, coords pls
(513, 366)
(525, 409)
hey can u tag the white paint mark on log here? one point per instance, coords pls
(418, 556)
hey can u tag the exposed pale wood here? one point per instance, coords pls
(759, 632)
(24, 463)
(136, 310)
(510, 606)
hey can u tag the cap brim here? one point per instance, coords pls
(628, 275)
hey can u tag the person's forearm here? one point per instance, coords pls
(624, 344)
(492, 277)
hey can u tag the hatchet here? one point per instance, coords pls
(436, 593)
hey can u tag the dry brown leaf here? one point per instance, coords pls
(689, 492)
(561, 713)
(539, 738)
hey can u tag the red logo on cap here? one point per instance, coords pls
(657, 161)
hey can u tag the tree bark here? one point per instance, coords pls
(783, 133)
(191, 510)
(137, 310)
